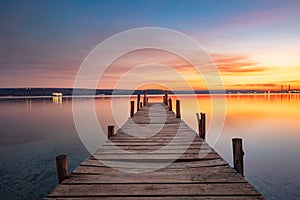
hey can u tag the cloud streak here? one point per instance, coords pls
(238, 65)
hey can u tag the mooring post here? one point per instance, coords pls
(238, 155)
(199, 123)
(61, 167)
(166, 97)
(138, 102)
(202, 133)
(110, 131)
(178, 115)
(131, 108)
(170, 104)
(145, 97)
(141, 104)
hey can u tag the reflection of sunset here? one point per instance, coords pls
(57, 99)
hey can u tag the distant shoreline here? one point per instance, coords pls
(46, 92)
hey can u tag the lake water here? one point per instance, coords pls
(35, 130)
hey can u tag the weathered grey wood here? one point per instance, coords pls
(61, 167)
(183, 176)
(195, 197)
(238, 155)
(192, 169)
(154, 189)
(131, 108)
(178, 114)
(110, 131)
(196, 165)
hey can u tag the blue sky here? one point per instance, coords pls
(44, 42)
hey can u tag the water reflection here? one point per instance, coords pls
(35, 130)
(57, 99)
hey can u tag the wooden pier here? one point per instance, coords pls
(192, 169)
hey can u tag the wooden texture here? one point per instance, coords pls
(110, 131)
(178, 114)
(61, 167)
(131, 108)
(145, 98)
(138, 102)
(126, 166)
(170, 104)
(238, 155)
(166, 98)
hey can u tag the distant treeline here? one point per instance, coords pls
(69, 91)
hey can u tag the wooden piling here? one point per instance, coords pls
(131, 108)
(138, 102)
(110, 131)
(203, 125)
(238, 155)
(170, 104)
(199, 123)
(178, 114)
(201, 119)
(166, 96)
(141, 104)
(145, 97)
(61, 167)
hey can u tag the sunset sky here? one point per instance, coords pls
(255, 44)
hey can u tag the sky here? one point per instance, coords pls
(254, 44)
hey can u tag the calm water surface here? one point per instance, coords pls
(35, 130)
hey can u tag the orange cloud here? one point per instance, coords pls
(237, 65)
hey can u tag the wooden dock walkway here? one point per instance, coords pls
(174, 163)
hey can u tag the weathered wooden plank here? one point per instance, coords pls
(171, 169)
(161, 151)
(155, 177)
(155, 147)
(221, 197)
(117, 189)
(181, 165)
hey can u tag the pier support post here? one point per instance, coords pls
(145, 97)
(138, 102)
(131, 108)
(203, 125)
(141, 104)
(110, 131)
(166, 97)
(61, 167)
(178, 114)
(238, 155)
(201, 119)
(170, 104)
(199, 123)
